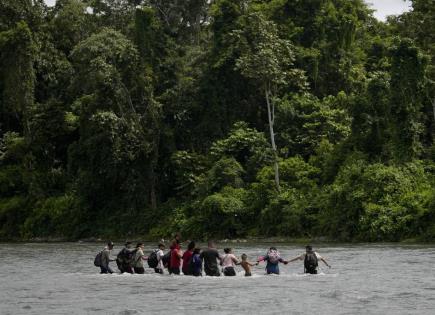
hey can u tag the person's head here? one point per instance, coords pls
(110, 245)
(174, 244)
(273, 248)
(128, 244)
(161, 246)
(139, 245)
(178, 238)
(210, 244)
(227, 250)
(244, 257)
(191, 245)
(309, 248)
(196, 251)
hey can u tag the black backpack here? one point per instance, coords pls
(191, 265)
(166, 259)
(97, 260)
(310, 261)
(125, 256)
(153, 261)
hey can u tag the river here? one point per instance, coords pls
(59, 278)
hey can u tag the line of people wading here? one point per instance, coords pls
(191, 262)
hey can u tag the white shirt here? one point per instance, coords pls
(160, 255)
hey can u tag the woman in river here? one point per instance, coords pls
(187, 257)
(229, 262)
(273, 258)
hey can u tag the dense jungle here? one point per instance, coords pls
(216, 118)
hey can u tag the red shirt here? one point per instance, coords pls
(186, 258)
(175, 260)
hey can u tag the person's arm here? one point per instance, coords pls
(324, 261)
(285, 262)
(253, 264)
(179, 253)
(262, 258)
(296, 258)
(221, 259)
(235, 260)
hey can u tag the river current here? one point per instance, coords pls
(59, 278)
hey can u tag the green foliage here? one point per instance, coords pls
(292, 211)
(142, 118)
(377, 202)
(304, 122)
(248, 146)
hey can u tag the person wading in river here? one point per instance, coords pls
(187, 256)
(138, 259)
(175, 260)
(229, 262)
(210, 257)
(272, 259)
(105, 258)
(247, 265)
(124, 259)
(310, 259)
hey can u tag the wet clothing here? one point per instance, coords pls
(138, 259)
(186, 262)
(229, 271)
(312, 271)
(105, 260)
(210, 257)
(160, 266)
(124, 260)
(175, 271)
(197, 265)
(106, 270)
(139, 270)
(175, 259)
(228, 265)
(272, 267)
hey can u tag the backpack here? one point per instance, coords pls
(97, 260)
(273, 256)
(153, 261)
(124, 258)
(191, 265)
(310, 261)
(166, 259)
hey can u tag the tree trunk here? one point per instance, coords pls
(271, 117)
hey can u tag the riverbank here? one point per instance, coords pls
(248, 240)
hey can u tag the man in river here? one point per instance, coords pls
(105, 258)
(210, 256)
(310, 259)
(124, 259)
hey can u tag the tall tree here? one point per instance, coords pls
(267, 59)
